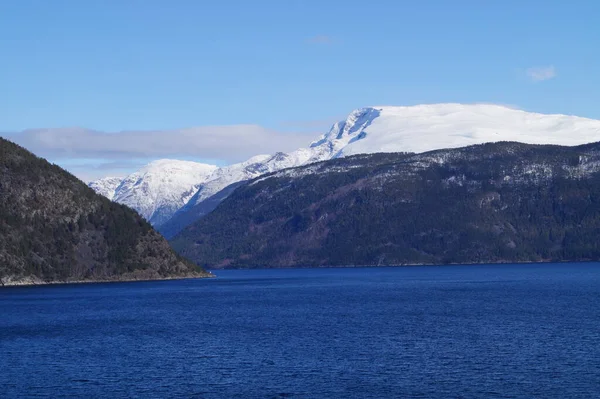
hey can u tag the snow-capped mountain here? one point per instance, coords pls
(160, 188)
(254, 167)
(106, 186)
(430, 127)
(224, 176)
(157, 192)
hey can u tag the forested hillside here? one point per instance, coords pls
(503, 202)
(53, 228)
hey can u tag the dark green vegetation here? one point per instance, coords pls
(503, 202)
(53, 228)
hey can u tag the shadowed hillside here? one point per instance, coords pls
(53, 228)
(503, 202)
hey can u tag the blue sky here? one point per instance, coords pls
(289, 66)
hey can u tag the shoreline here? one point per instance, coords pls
(29, 282)
(406, 265)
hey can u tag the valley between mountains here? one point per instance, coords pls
(389, 186)
(171, 194)
(428, 184)
(486, 203)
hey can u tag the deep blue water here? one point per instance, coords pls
(509, 331)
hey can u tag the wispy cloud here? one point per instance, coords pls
(225, 144)
(89, 169)
(321, 39)
(539, 74)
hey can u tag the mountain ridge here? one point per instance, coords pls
(401, 129)
(161, 187)
(487, 203)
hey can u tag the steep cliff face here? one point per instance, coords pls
(53, 228)
(502, 202)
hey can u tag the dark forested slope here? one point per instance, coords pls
(53, 228)
(499, 202)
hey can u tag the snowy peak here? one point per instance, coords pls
(160, 188)
(106, 186)
(344, 132)
(429, 127)
(356, 123)
(171, 166)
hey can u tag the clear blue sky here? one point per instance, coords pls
(284, 64)
(290, 67)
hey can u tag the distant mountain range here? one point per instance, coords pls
(169, 188)
(386, 186)
(158, 189)
(497, 202)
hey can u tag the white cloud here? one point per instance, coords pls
(539, 74)
(226, 144)
(90, 169)
(229, 143)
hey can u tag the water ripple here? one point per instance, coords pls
(453, 332)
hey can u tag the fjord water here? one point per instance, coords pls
(492, 331)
